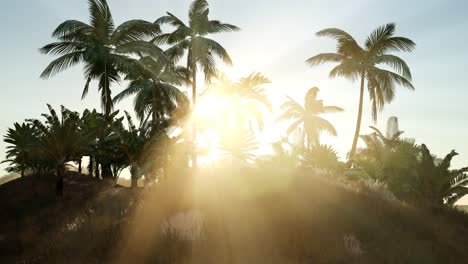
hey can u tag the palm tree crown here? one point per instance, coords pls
(101, 46)
(308, 116)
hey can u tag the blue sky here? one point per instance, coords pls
(276, 38)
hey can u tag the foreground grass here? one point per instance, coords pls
(248, 217)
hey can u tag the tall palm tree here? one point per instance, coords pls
(201, 51)
(355, 62)
(102, 48)
(308, 116)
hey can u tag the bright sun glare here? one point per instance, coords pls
(216, 119)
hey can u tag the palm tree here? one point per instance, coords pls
(392, 134)
(22, 140)
(322, 157)
(355, 62)
(244, 101)
(286, 155)
(132, 142)
(60, 141)
(239, 146)
(252, 96)
(156, 95)
(90, 124)
(436, 182)
(201, 51)
(101, 47)
(105, 146)
(308, 116)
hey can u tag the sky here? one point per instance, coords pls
(276, 39)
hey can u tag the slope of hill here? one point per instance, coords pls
(247, 219)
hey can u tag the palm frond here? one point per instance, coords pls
(62, 63)
(325, 57)
(134, 30)
(216, 26)
(395, 63)
(101, 20)
(70, 26)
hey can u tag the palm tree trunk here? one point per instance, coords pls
(155, 105)
(90, 166)
(194, 127)
(115, 173)
(79, 165)
(96, 168)
(134, 176)
(358, 122)
(106, 171)
(59, 183)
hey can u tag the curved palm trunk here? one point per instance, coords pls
(358, 122)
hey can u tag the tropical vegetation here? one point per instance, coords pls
(163, 139)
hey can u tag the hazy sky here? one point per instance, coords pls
(276, 38)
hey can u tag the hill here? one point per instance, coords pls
(244, 219)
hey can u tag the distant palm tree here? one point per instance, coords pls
(252, 91)
(102, 47)
(392, 133)
(22, 140)
(239, 146)
(201, 51)
(355, 62)
(247, 99)
(308, 116)
(322, 157)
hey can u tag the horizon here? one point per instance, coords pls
(424, 114)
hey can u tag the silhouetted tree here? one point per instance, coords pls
(201, 51)
(436, 183)
(22, 141)
(308, 116)
(355, 62)
(101, 47)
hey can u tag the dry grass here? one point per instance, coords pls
(248, 217)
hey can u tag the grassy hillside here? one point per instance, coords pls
(8, 177)
(250, 218)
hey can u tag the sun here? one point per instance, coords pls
(219, 115)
